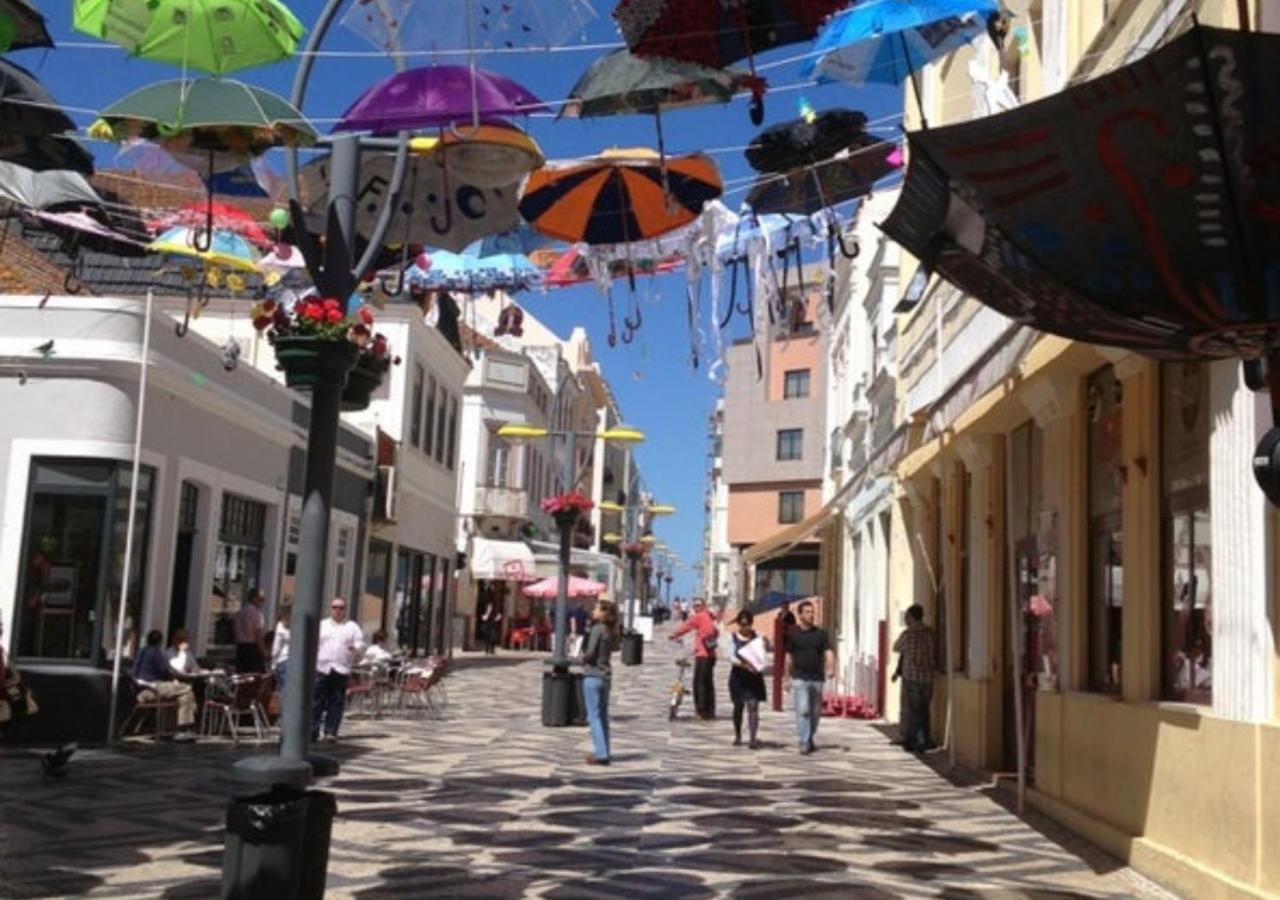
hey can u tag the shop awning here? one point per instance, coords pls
(788, 537)
(501, 560)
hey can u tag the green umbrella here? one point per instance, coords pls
(216, 36)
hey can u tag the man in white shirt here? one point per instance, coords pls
(341, 644)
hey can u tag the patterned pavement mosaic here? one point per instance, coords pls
(487, 803)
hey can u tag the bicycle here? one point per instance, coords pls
(678, 689)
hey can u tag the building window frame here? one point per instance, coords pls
(1104, 612)
(796, 384)
(789, 445)
(415, 415)
(790, 507)
(429, 432)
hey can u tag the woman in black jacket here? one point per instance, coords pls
(596, 677)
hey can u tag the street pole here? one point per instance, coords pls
(558, 659)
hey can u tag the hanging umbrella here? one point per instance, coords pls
(521, 240)
(226, 216)
(1136, 210)
(618, 197)
(226, 250)
(810, 139)
(80, 230)
(437, 97)
(393, 25)
(716, 33)
(465, 273)
(447, 213)
(41, 153)
(22, 26)
(573, 266)
(547, 588)
(492, 155)
(26, 107)
(807, 191)
(214, 36)
(885, 41)
(41, 190)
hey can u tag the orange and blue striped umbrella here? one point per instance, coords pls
(618, 197)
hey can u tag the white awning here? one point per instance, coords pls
(501, 560)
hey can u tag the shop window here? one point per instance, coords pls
(77, 516)
(237, 563)
(790, 507)
(790, 444)
(1187, 603)
(374, 603)
(1106, 554)
(795, 384)
(428, 441)
(415, 416)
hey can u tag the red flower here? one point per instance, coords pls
(366, 315)
(261, 322)
(268, 306)
(333, 316)
(330, 303)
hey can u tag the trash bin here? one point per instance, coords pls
(579, 714)
(321, 808)
(265, 835)
(632, 649)
(557, 699)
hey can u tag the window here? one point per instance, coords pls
(791, 443)
(441, 424)
(451, 449)
(790, 507)
(428, 439)
(498, 463)
(1187, 608)
(78, 511)
(375, 601)
(237, 563)
(415, 417)
(795, 384)
(1106, 556)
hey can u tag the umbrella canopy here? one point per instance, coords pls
(618, 197)
(206, 115)
(622, 82)
(807, 191)
(41, 190)
(226, 249)
(492, 155)
(886, 40)
(434, 97)
(26, 108)
(22, 26)
(46, 152)
(436, 209)
(575, 267)
(718, 32)
(215, 36)
(548, 588)
(83, 230)
(1118, 211)
(449, 24)
(469, 274)
(225, 216)
(522, 240)
(810, 139)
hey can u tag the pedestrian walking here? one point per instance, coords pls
(597, 675)
(810, 662)
(917, 666)
(784, 620)
(705, 632)
(280, 652)
(490, 623)
(341, 645)
(746, 678)
(249, 627)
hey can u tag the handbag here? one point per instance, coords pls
(710, 643)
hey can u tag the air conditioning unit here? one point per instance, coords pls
(384, 499)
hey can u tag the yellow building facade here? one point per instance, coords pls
(1082, 525)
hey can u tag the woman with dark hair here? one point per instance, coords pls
(490, 616)
(747, 652)
(596, 676)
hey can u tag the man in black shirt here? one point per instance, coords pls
(810, 662)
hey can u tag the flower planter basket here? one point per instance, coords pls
(362, 381)
(310, 362)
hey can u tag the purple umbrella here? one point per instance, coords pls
(437, 96)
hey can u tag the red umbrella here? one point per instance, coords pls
(226, 217)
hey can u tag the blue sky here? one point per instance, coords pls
(652, 378)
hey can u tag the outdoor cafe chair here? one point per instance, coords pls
(147, 702)
(243, 697)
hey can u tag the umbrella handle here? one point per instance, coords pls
(386, 286)
(197, 239)
(844, 248)
(733, 294)
(184, 326)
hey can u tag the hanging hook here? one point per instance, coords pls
(184, 326)
(733, 294)
(202, 242)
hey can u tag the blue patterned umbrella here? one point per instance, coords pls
(886, 41)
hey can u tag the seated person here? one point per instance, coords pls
(154, 673)
(179, 654)
(377, 653)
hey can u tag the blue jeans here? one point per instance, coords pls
(917, 698)
(330, 702)
(281, 671)
(807, 696)
(595, 691)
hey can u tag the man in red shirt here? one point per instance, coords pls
(705, 630)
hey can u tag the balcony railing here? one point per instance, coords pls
(507, 502)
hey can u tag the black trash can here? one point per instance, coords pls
(632, 649)
(579, 714)
(558, 699)
(264, 850)
(321, 808)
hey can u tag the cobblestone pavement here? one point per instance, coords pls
(488, 803)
